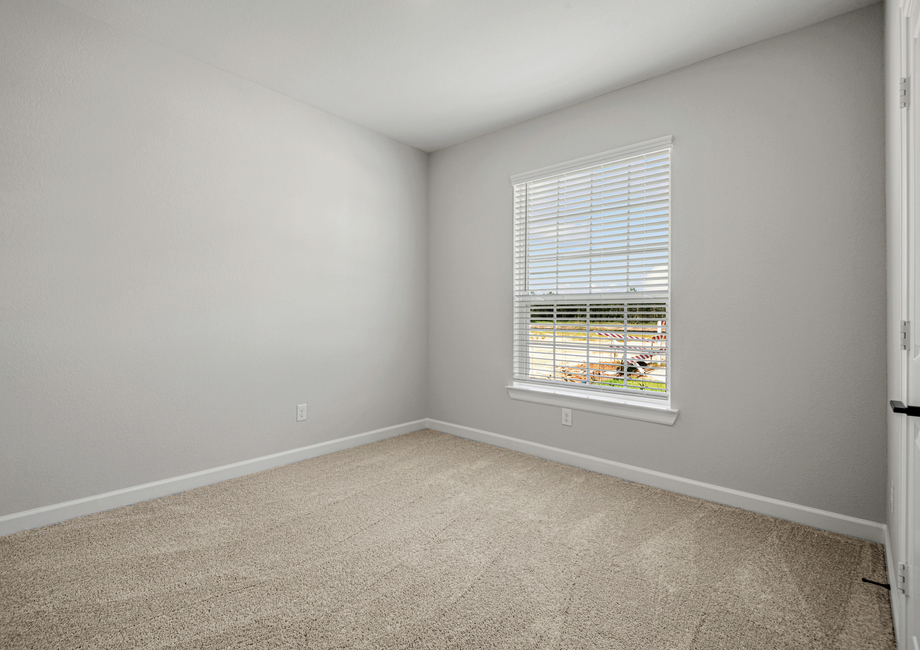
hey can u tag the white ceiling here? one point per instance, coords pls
(432, 73)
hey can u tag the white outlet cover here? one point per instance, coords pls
(301, 412)
(567, 417)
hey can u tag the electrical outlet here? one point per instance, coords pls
(567, 417)
(301, 412)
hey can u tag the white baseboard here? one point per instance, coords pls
(822, 519)
(843, 524)
(88, 505)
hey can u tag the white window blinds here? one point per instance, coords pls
(591, 261)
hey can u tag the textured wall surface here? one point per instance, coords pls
(184, 257)
(778, 240)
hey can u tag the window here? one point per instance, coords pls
(591, 276)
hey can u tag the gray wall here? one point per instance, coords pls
(778, 239)
(184, 257)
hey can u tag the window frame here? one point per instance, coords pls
(628, 403)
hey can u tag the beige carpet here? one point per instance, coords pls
(431, 541)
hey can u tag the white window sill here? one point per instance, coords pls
(647, 411)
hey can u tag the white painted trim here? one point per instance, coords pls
(822, 519)
(843, 524)
(59, 512)
(658, 412)
(657, 144)
(894, 594)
